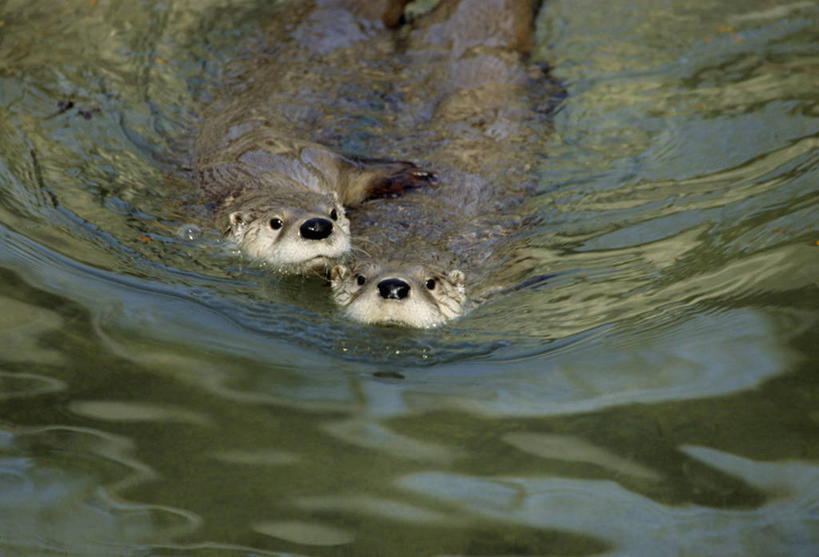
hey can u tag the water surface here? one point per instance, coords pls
(158, 395)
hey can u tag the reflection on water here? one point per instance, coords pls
(21, 324)
(54, 502)
(636, 525)
(655, 394)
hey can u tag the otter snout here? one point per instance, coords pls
(393, 289)
(316, 229)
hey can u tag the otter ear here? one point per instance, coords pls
(239, 218)
(339, 274)
(456, 277)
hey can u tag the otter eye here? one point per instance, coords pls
(360, 280)
(275, 224)
(334, 214)
(430, 284)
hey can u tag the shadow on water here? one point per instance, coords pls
(647, 387)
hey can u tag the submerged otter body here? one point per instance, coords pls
(480, 115)
(277, 193)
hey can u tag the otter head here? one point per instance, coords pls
(291, 235)
(414, 296)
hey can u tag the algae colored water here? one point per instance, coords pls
(657, 395)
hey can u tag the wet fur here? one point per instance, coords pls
(478, 86)
(433, 299)
(256, 162)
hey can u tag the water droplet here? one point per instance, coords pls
(190, 232)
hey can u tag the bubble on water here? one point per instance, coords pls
(190, 232)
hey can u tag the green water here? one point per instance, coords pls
(657, 396)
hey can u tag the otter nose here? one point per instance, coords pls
(316, 229)
(393, 289)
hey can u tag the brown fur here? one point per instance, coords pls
(255, 157)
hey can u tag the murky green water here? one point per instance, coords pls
(657, 396)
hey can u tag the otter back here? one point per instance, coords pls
(278, 193)
(485, 129)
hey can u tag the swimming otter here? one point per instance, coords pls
(383, 292)
(277, 193)
(484, 125)
(282, 200)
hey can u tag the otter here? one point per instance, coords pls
(279, 194)
(282, 200)
(395, 292)
(418, 258)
